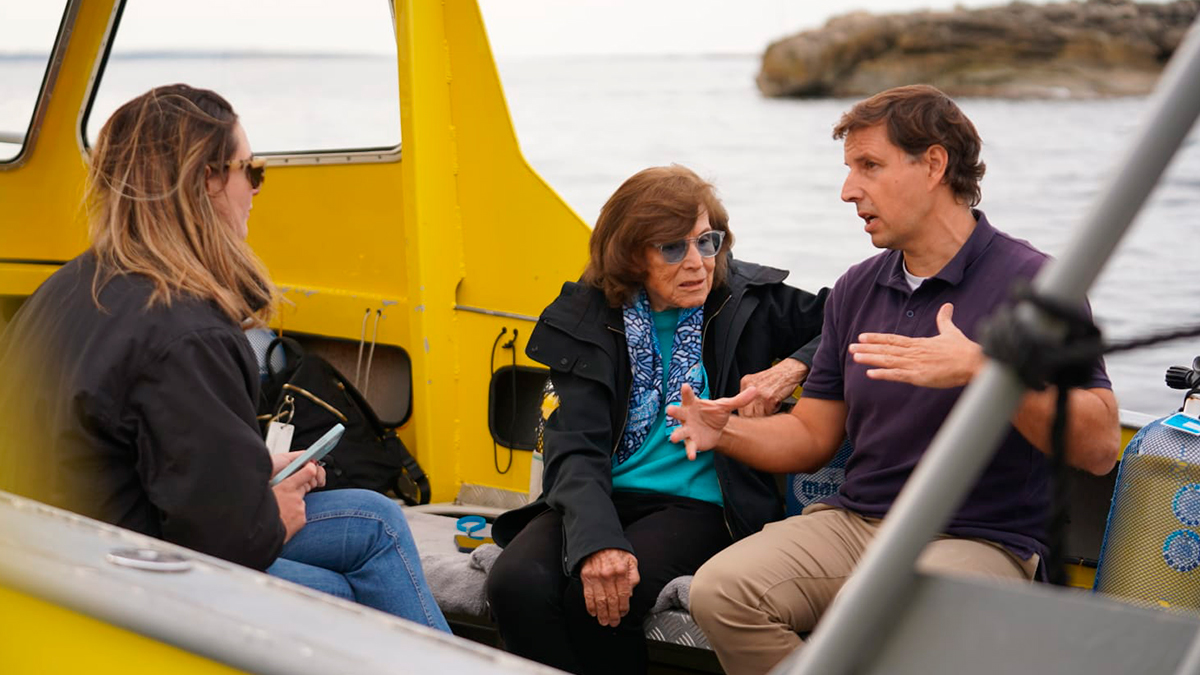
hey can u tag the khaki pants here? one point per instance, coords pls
(752, 598)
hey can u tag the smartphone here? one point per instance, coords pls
(315, 453)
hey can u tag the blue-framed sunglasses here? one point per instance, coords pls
(707, 244)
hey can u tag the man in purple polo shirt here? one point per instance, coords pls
(898, 346)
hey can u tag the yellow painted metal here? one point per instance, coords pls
(37, 637)
(1080, 576)
(41, 217)
(461, 220)
(22, 279)
(1126, 435)
(483, 231)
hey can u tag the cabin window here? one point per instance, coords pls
(515, 404)
(28, 41)
(304, 77)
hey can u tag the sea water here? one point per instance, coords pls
(587, 123)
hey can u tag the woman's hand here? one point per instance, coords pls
(282, 459)
(703, 421)
(773, 385)
(289, 495)
(609, 576)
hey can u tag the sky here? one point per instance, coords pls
(517, 28)
(545, 27)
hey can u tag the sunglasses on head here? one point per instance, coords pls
(255, 167)
(707, 244)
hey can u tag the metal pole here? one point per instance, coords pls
(1191, 661)
(968, 438)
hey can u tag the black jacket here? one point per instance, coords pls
(143, 418)
(749, 322)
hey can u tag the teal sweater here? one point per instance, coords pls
(661, 466)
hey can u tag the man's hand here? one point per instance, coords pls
(702, 421)
(946, 360)
(289, 494)
(773, 385)
(609, 576)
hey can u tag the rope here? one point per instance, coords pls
(1152, 339)
(1056, 530)
(492, 368)
(512, 425)
(371, 353)
(362, 338)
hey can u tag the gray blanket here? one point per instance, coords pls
(457, 579)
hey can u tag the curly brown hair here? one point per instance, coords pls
(654, 206)
(918, 117)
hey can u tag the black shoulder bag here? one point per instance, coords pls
(369, 455)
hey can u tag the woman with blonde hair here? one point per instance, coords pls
(129, 386)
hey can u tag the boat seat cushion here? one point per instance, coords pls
(457, 581)
(806, 488)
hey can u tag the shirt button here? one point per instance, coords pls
(562, 361)
(909, 313)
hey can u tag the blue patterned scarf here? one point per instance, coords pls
(645, 358)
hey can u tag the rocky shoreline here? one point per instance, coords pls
(1087, 49)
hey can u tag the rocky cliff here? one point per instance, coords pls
(1075, 49)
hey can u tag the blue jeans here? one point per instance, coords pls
(356, 545)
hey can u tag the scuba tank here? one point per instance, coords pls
(1151, 550)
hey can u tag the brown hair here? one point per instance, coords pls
(654, 206)
(149, 208)
(918, 117)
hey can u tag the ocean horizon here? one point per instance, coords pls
(586, 123)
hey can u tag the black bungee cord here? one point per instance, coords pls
(511, 344)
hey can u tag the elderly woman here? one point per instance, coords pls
(661, 304)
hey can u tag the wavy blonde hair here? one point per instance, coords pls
(150, 212)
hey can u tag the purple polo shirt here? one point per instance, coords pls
(890, 424)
